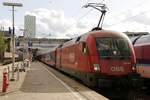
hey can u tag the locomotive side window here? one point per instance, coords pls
(112, 47)
(84, 48)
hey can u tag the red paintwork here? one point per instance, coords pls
(69, 56)
(49, 58)
(142, 48)
(144, 70)
(142, 51)
(106, 64)
(58, 57)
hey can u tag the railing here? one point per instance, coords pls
(19, 67)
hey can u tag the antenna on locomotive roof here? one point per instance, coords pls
(100, 7)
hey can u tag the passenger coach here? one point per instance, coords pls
(142, 51)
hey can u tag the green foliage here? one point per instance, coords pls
(2, 42)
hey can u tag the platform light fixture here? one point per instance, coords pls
(13, 5)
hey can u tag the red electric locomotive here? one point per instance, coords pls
(98, 58)
(142, 51)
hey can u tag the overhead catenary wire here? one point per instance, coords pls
(139, 4)
(129, 18)
(67, 28)
(136, 6)
(84, 15)
(100, 7)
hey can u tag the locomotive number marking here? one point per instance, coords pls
(117, 69)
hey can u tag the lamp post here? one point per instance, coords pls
(13, 5)
(24, 43)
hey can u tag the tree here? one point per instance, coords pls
(2, 45)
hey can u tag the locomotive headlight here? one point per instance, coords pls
(134, 68)
(96, 67)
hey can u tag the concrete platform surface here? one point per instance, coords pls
(43, 83)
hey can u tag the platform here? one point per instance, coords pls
(44, 83)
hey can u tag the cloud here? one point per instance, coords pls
(55, 24)
(128, 21)
(5, 24)
(142, 18)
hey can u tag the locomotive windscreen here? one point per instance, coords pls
(113, 48)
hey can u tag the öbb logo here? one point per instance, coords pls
(117, 69)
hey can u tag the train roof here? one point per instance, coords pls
(107, 33)
(95, 33)
(47, 51)
(143, 39)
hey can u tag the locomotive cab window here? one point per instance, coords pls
(112, 47)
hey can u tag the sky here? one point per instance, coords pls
(68, 18)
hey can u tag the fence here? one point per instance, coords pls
(19, 67)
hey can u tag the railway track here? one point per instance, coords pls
(124, 94)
